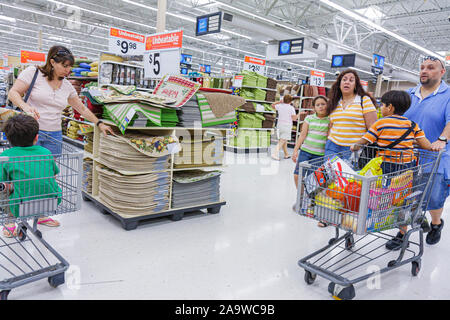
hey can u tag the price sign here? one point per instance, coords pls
(255, 65)
(123, 42)
(237, 81)
(317, 78)
(31, 57)
(162, 55)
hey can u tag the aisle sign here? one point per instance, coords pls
(124, 42)
(317, 78)
(207, 24)
(31, 57)
(162, 54)
(255, 64)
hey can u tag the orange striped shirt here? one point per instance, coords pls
(387, 130)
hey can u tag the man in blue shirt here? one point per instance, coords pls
(430, 109)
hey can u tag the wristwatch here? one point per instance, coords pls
(442, 138)
(98, 122)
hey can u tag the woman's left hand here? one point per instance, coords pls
(105, 129)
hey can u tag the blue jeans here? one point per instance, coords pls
(52, 140)
(439, 192)
(304, 156)
(332, 148)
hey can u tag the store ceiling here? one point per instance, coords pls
(83, 26)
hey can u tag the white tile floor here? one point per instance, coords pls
(248, 251)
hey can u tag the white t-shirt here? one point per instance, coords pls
(285, 113)
(48, 102)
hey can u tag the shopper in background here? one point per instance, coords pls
(351, 110)
(286, 116)
(313, 137)
(430, 109)
(50, 95)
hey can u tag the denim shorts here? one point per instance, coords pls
(439, 192)
(52, 140)
(304, 156)
(332, 148)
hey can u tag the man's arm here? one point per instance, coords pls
(438, 145)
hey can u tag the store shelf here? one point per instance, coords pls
(80, 121)
(76, 143)
(88, 155)
(247, 150)
(261, 101)
(82, 78)
(257, 129)
(167, 128)
(267, 89)
(272, 112)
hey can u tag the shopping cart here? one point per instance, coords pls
(26, 257)
(334, 191)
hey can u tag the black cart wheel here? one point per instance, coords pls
(4, 294)
(310, 277)
(56, 280)
(415, 268)
(349, 243)
(341, 293)
(22, 235)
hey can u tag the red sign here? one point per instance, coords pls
(253, 60)
(31, 57)
(317, 74)
(118, 33)
(170, 40)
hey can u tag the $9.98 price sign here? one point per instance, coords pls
(123, 42)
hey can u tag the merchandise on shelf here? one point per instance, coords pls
(195, 187)
(133, 195)
(87, 175)
(199, 152)
(218, 108)
(119, 155)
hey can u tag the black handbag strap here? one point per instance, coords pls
(407, 132)
(31, 85)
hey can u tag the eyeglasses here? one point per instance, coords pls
(432, 58)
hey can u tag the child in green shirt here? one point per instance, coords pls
(28, 171)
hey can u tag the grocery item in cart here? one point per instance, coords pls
(339, 171)
(316, 181)
(401, 187)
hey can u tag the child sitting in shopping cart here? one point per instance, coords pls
(389, 129)
(28, 171)
(313, 137)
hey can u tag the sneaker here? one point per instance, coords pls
(434, 235)
(396, 243)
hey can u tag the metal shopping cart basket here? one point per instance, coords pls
(364, 207)
(26, 257)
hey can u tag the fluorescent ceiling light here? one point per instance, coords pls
(372, 24)
(2, 17)
(372, 12)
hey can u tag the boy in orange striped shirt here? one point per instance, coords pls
(390, 128)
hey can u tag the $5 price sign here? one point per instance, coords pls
(158, 63)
